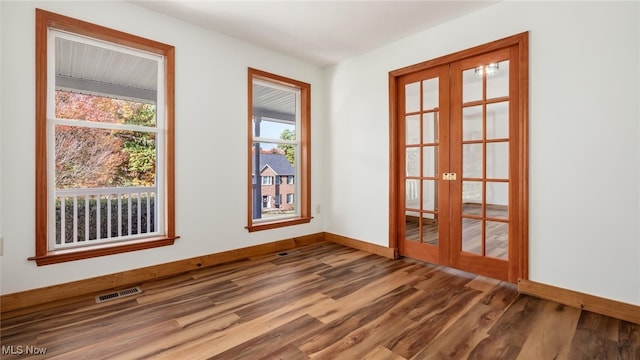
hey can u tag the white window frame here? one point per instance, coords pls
(52, 121)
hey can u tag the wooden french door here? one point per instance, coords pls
(460, 162)
(424, 140)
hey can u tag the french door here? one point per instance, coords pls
(459, 160)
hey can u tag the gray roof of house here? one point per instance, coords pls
(278, 163)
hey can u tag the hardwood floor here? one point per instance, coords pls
(323, 301)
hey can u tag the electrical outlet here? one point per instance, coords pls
(1, 245)
(317, 209)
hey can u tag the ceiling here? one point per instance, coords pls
(273, 103)
(103, 70)
(322, 33)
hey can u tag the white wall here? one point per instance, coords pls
(211, 115)
(584, 135)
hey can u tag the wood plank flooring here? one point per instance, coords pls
(323, 301)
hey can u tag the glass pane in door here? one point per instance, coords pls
(412, 129)
(429, 195)
(498, 80)
(412, 161)
(472, 85)
(472, 123)
(497, 200)
(472, 236)
(412, 194)
(411, 226)
(412, 97)
(472, 197)
(430, 95)
(497, 239)
(430, 229)
(429, 161)
(498, 160)
(472, 160)
(498, 120)
(430, 128)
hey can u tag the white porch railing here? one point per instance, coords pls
(103, 215)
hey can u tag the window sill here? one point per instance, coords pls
(58, 256)
(278, 224)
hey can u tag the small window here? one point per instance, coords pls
(104, 126)
(267, 180)
(289, 198)
(279, 133)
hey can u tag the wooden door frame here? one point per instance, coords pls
(521, 41)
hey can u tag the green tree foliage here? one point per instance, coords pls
(140, 168)
(289, 150)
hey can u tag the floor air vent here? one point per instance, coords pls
(118, 294)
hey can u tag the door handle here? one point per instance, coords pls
(448, 176)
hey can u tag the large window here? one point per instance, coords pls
(104, 141)
(279, 115)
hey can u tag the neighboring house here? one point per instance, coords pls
(277, 177)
